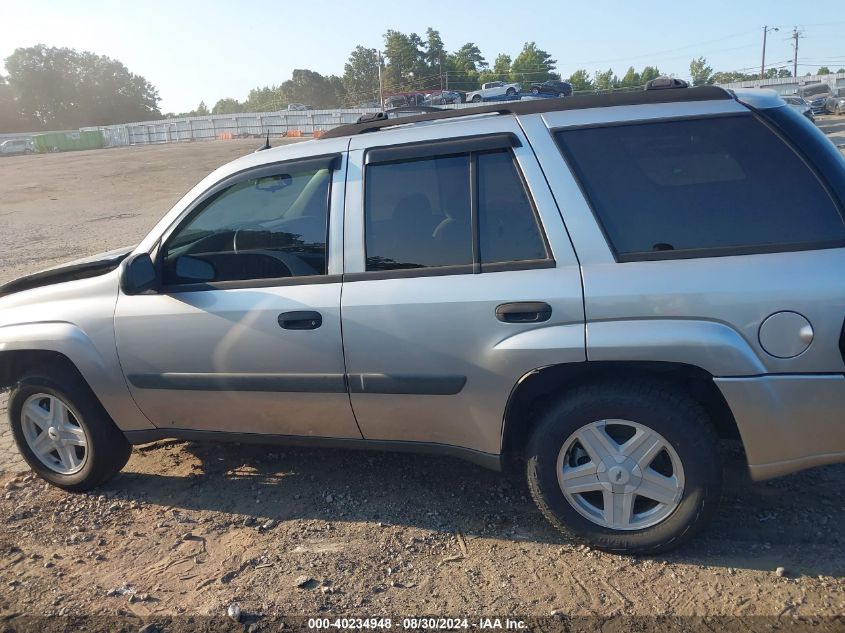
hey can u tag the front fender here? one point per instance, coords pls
(103, 375)
(715, 347)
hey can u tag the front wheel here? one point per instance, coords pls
(63, 432)
(631, 468)
(476, 98)
(510, 92)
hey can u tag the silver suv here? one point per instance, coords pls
(597, 289)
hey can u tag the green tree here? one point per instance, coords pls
(581, 81)
(502, 64)
(227, 106)
(465, 67)
(312, 88)
(533, 65)
(700, 72)
(405, 61)
(841, 70)
(264, 99)
(726, 77)
(360, 76)
(631, 79)
(774, 73)
(824, 70)
(202, 109)
(500, 71)
(62, 88)
(435, 53)
(649, 73)
(10, 118)
(605, 80)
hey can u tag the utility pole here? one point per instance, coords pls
(766, 29)
(796, 34)
(441, 72)
(380, 85)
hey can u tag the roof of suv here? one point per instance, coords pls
(640, 97)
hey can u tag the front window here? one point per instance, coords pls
(267, 227)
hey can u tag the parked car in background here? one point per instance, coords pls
(835, 103)
(442, 97)
(494, 89)
(16, 146)
(816, 96)
(800, 106)
(552, 88)
(402, 99)
(299, 107)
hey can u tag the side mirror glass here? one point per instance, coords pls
(193, 269)
(139, 274)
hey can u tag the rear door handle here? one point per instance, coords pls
(524, 312)
(300, 320)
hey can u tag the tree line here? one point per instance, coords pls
(48, 88)
(59, 88)
(702, 74)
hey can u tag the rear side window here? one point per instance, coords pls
(700, 187)
(453, 210)
(417, 213)
(506, 221)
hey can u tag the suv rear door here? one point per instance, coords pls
(446, 224)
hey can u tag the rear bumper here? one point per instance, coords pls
(788, 423)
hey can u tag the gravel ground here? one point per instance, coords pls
(193, 528)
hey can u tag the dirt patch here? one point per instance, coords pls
(193, 528)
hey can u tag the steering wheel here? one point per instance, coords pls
(244, 227)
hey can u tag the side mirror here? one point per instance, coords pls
(193, 269)
(139, 274)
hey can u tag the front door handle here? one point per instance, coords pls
(524, 312)
(300, 320)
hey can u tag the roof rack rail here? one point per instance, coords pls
(538, 106)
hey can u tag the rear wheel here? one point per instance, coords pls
(510, 92)
(629, 468)
(476, 98)
(63, 432)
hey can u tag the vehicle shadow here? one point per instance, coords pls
(794, 522)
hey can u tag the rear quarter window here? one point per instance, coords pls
(700, 187)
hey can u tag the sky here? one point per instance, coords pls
(193, 51)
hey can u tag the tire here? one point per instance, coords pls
(106, 449)
(510, 92)
(535, 91)
(476, 98)
(691, 442)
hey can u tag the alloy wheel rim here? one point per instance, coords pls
(53, 434)
(620, 474)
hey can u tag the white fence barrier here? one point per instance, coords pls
(245, 125)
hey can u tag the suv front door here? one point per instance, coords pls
(459, 279)
(244, 333)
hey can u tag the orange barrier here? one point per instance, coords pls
(318, 133)
(225, 136)
(294, 133)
